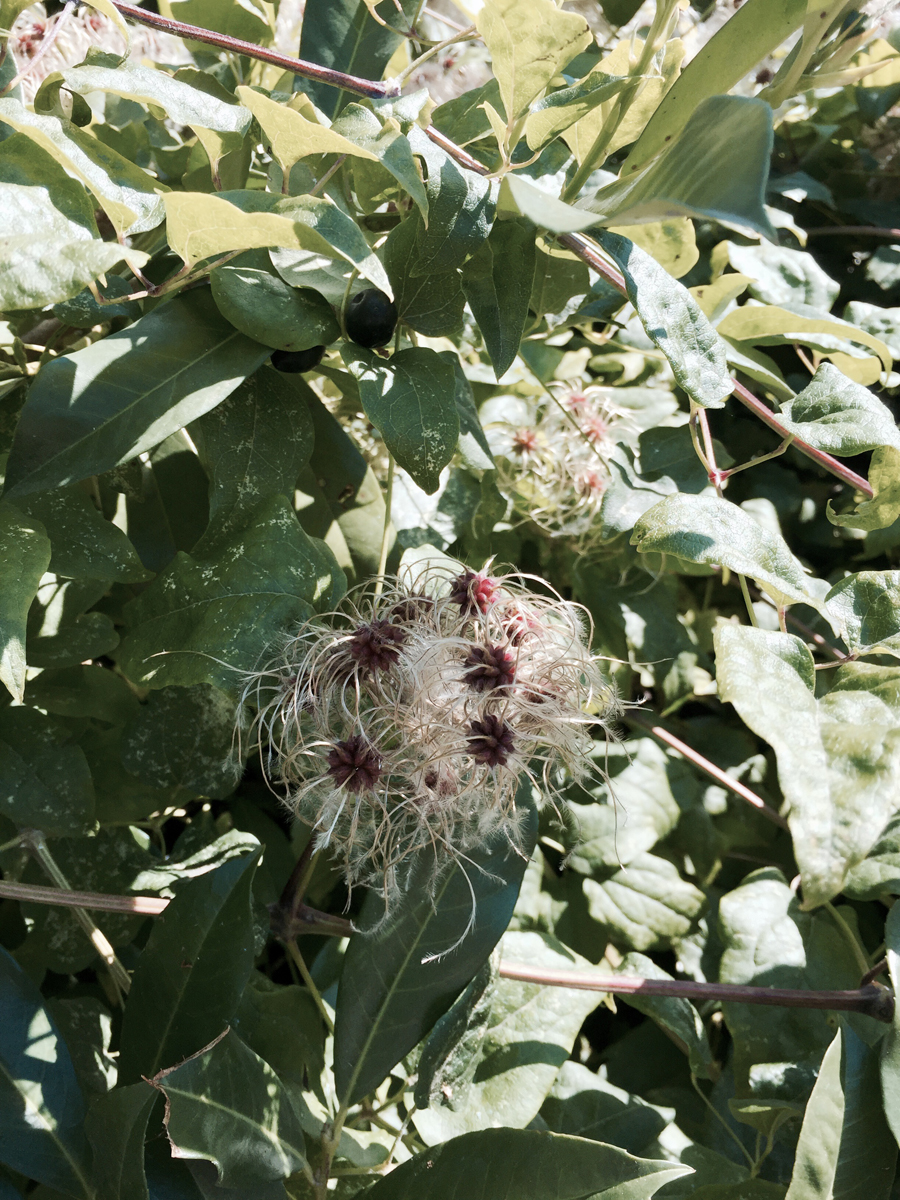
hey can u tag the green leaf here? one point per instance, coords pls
(461, 208)
(709, 530)
(397, 980)
(868, 607)
(116, 1126)
(184, 737)
(838, 758)
(388, 146)
(529, 42)
(771, 325)
(61, 632)
(183, 103)
(779, 275)
(341, 34)
(291, 136)
(406, 399)
(820, 1137)
(253, 444)
(229, 607)
(716, 169)
(867, 1156)
(25, 552)
(129, 196)
(283, 1026)
(227, 1105)
(879, 872)
(523, 1164)
(644, 905)
(674, 323)
(767, 941)
(430, 304)
(890, 1047)
(84, 544)
(678, 1018)
(104, 405)
(884, 508)
(583, 1104)
(558, 110)
(250, 294)
(190, 976)
(543, 209)
(249, 20)
(497, 282)
(526, 1036)
(44, 779)
(200, 226)
(746, 38)
(41, 1106)
(474, 449)
(841, 417)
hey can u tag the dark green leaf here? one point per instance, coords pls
(283, 1026)
(674, 323)
(41, 1106)
(84, 544)
(254, 444)
(184, 737)
(497, 281)
(227, 1105)
(678, 1018)
(460, 209)
(96, 408)
(44, 780)
(117, 1125)
(342, 35)
(394, 984)
(522, 1164)
(255, 299)
(582, 1104)
(890, 1047)
(191, 973)
(431, 304)
(867, 1156)
(392, 149)
(25, 552)
(231, 606)
(408, 399)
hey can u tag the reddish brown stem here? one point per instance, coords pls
(873, 1000)
(35, 893)
(634, 717)
(307, 70)
(869, 230)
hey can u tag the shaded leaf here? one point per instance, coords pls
(231, 606)
(497, 282)
(84, 544)
(251, 295)
(394, 982)
(190, 976)
(102, 406)
(44, 779)
(388, 146)
(227, 1105)
(116, 1126)
(252, 445)
(523, 1164)
(25, 552)
(678, 1018)
(582, 1104)
(41, 1106)
(430, 304)
(405, 398)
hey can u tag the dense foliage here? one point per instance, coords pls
(599, 701)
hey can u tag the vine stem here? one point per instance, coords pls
(873, 1000)
(634, 717)
(375, 89)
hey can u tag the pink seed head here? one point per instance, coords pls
(354, 764)
(474, 592)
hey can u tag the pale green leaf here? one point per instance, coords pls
(712, 531)
(25, 553)
(841, 417)
(780, 275)
(868, 607)
(820, 1137)
(644, 905)
(884, 507)
(529, 42)
(771, 325)
(557, 111)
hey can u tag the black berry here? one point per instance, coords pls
(371, 318)
(295, 362)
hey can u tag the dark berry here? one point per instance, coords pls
(491, 741)
(375, 645)
(295, 362)
(354, 764)
(371, 318)
(489, 667)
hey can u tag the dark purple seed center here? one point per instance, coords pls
(375, 645)
(489, 667)
(473, 592)
(354, 764)
(491, 741)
